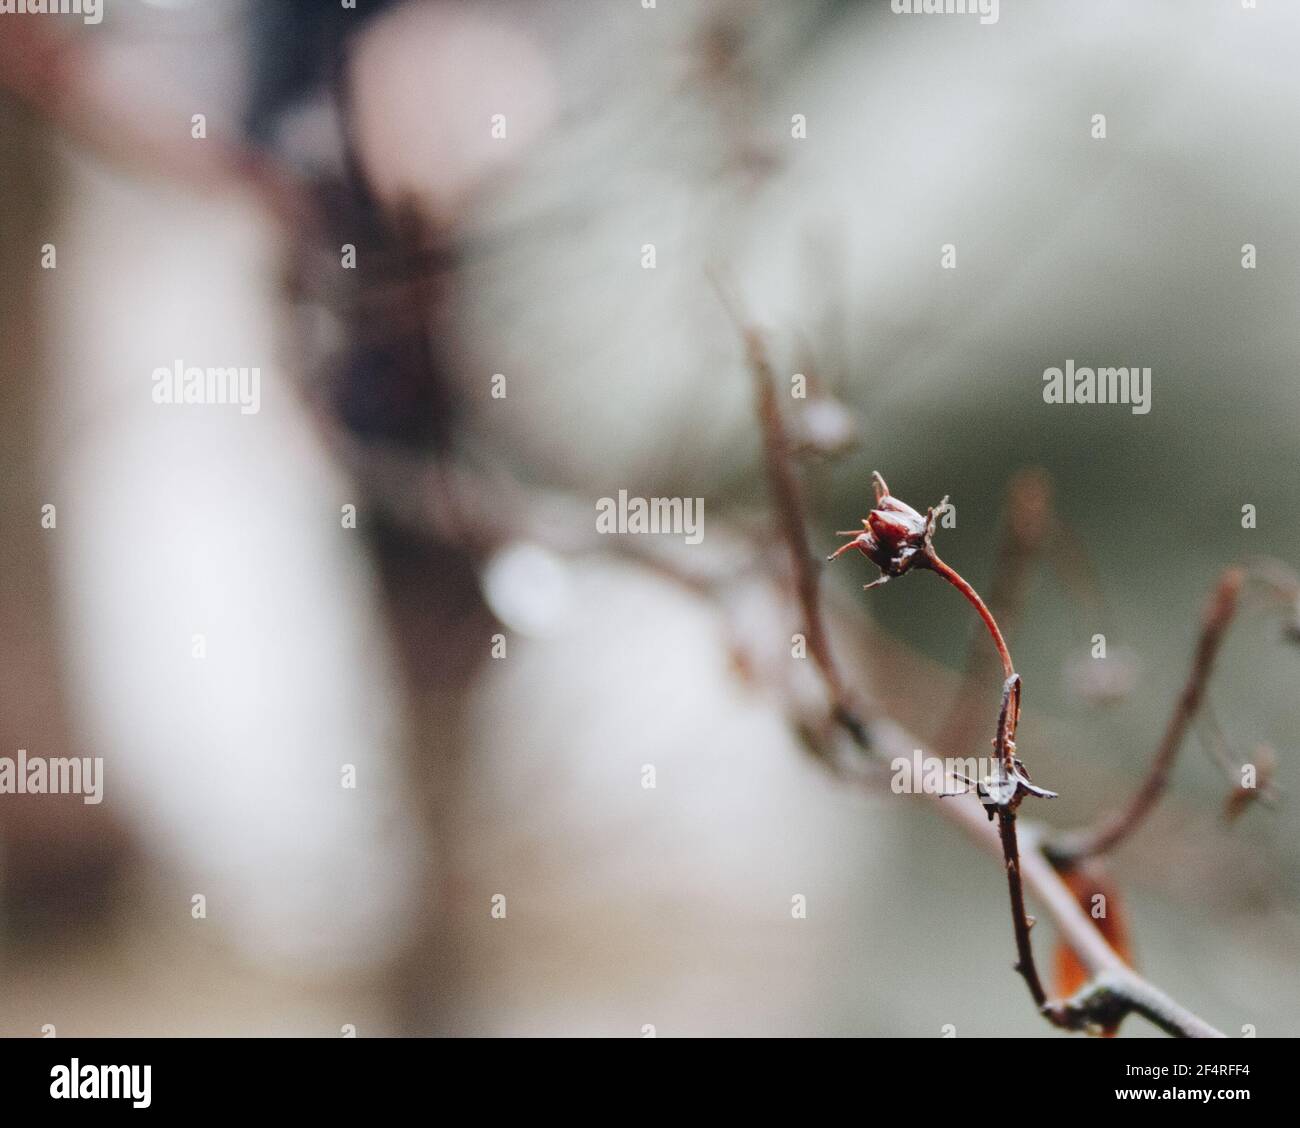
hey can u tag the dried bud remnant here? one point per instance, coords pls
(894, 537)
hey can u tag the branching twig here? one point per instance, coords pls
(553, 520)
(896, 538)
(1115, 989)
(45, 73)
(1112, 982)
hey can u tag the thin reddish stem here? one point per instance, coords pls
(1026, 528)
(955, 578)
(1008, 718)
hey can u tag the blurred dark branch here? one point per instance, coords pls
(482, 511)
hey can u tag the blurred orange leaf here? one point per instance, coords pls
(1097, 897)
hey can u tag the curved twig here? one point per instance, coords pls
(1219, 613)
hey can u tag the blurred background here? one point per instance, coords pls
(497, 674)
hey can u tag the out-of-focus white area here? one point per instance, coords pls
(650, 821)
(529, 589)
(480, 88)
(178, 521)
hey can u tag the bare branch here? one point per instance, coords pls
(1219, 613)
(1004, 745)
(1126, 991)
(787, 497)
(1114, 984)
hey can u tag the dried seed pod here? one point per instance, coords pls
(893, 536)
